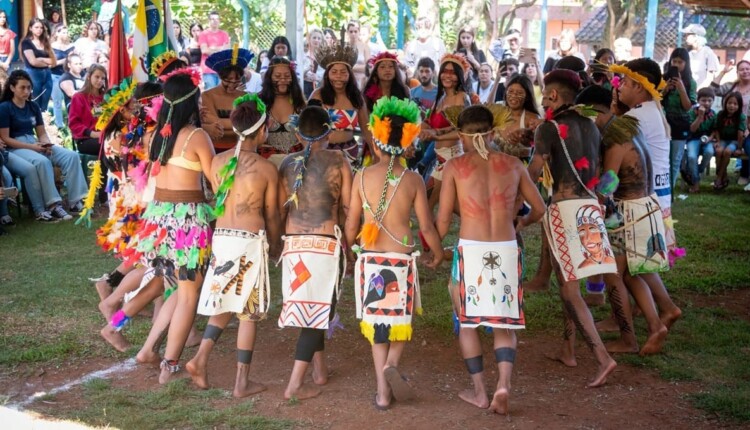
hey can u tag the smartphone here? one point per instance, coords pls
(672, 72)
(528, 55)
(47, 145)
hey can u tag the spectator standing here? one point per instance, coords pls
(424, 94)
(623, 48)
(7, 42)
(505, 70)
(599, 70)
(55, 20)
(678, 97)
(566, 45)
(212, 41)
(182, 41)
(703, 61)
(39, 59)
(313, 73)
(89, 45)
(194, 46)
(467, 46)
(532, 71)
(742, 86)
(425, 45)
(62, 47)
(363, 52)
(329, 37)
(85, 108)
(484, 85)
(261, 63)
(280, 47)
(72, 80)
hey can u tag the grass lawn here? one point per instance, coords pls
(48, 316)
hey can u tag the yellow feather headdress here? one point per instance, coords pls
(117, 97)
(162, 62)
(654, 90)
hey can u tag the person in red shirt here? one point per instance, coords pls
(84, 111)
(211, 41)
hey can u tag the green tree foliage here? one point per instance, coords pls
(77, 13)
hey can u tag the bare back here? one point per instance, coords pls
(486, 192)
(255, 178)
(193, 145)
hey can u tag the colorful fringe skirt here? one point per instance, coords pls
(125, 211)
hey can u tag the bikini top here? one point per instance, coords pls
(366, 206)
(344, 119)
(437, 121)
(183, 162)
(274, 126)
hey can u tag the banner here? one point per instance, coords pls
(118, 70)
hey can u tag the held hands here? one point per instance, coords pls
(427, 134)
(432, 259)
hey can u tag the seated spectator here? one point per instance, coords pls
(6, 187)
(731, 124)
(702, 123)
(33, 157)
(72, 80)
(741, 84)
(84, 108)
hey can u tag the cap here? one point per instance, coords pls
(696, 29)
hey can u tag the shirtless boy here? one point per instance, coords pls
(486, 289)
(314, 190)
(237, 280)
(386, 193)
(568, 143)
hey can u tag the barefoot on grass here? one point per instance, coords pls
(655, 342)
(301, 393)
(608, 325)
(538, 284)
(198, 373)
(470, 396)
(566, 359)
(669, 318)
(115, 338)
(248, 388)
(621, 347)
(103, 289)
(499, 403)
(601, 376)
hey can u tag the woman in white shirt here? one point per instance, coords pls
(89, 46)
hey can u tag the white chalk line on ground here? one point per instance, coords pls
(124, 366)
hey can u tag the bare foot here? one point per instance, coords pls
(539, 283)
(145, 356)
(607, 326)
(564, 358)
(107, 310)
(301, 393)
(401, 390)
(592, 299)
(198, 373)
(670, 318)
(655, 342)
(103, 289)
(621, 346)
(167, 376)
(194, 338)
(499, 403)
(248, 389)
(469, 396)
(115, 338)
(601, 376)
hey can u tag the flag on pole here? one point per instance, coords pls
(118, 69)
(139, 58)
(153, 35)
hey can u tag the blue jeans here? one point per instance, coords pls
(57, 101)
(41, 79)
(676, 151)
(210, 80)
(745, 169)
(39, 176)
(694, 149)
(7, 182)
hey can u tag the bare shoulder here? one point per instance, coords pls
(267, 167)
(315, 94)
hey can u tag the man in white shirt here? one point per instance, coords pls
(483, 87)
(703, 61)
(426, 45)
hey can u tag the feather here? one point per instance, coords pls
(620, 131)
(451, 114)
(549, 114)
(591, 184)
(563, 130)
(582, 163)
(139, 176)
(369, 234)
(95, 182)
(381, 128)
(409, 133)
(501, 116)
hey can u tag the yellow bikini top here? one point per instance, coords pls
(183, 162)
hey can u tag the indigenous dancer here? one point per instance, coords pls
(340, 95)
(639, 90)
(485, 288)
(237, 279)
(573, 223)
(635, 227)
(230, 65)
(282, 94)
(385, 275)
(314, 188)
(450, 92)
(175, 238)
(385, 80)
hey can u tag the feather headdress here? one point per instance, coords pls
(116, 98)
(162, 62)
(457, 59)
(654, 90)
(229, 57)
(383, 56)
(327, 56)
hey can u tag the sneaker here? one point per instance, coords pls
(747, 187)
(77, 207)
(6, 220)
(743, 181)
(59, 212)
(46, 217)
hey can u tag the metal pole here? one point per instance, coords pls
(680, 25)
(294, 30)
(653, 6)
(245, 24)
(543, 42)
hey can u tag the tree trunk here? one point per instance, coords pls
(507, 19)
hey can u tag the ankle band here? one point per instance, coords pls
(595, 287)
(119, 319)
(474, 365)
(172, 365)
(505, 355)
(244, 356)
(114, 278)
(212, 332)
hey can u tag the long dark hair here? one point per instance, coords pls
(181, 37)
(183, 114)
(328, 94)
(6, 18)
(460, 85)
(281, 40)
(267, 92)
(13, 79)
(258, 61)
(529, 102)
(724, 115)
(473, 47)
(687, 74)
(44, 37)
(398, 88)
